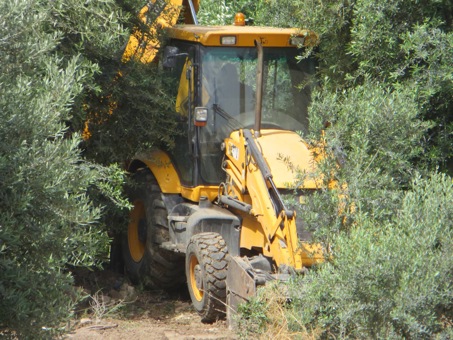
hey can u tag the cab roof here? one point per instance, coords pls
(244, 35)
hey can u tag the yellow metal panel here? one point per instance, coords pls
(278, 244)
(275, 235)
(235, 152)
(311, 254)
(246, 35)
(252, 235)
(194, 194)
(287, 155)
(144, 47)
(285, 152)
(182, 98)
(162, 168)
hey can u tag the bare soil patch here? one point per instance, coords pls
(115, 309)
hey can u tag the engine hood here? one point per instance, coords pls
(287, 155)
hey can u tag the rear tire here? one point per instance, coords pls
(206, 269)
(144, 261)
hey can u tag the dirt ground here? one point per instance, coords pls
(115, 309)
(183, 325)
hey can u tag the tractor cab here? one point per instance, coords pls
(216, 86)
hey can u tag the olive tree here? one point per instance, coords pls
(385, 93)
(48, 219)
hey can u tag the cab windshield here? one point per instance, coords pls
(229, 86)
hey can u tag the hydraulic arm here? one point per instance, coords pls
(251, 181)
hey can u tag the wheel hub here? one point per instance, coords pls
(142, 227)
(195, 278)
(198, 277)
(136, 232)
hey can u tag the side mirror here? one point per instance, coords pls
(170, 54)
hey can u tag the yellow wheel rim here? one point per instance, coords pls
(136, 247)
(196, 278)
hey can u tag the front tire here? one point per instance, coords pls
(206, 269)
(144, 261)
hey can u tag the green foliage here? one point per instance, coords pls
(379, 31)
(411, 47)
(134, 109)
(47, 219)
(222, 12)
(329, 19)
(398, 43)
(252, 317)
(370, 155)
(386, 280)
(135, 113)
(375, 136)
(386, 91)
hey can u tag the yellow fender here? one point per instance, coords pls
(162, 168)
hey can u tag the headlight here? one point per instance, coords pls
(201, 116)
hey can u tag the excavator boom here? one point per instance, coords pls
(144, 46)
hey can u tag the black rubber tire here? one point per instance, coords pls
(157, 268)
(206, 270)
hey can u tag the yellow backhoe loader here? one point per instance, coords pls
(210, 211)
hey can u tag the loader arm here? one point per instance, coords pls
(250, 180)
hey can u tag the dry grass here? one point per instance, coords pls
(103, 306)
(280, 320)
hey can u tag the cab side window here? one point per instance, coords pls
(181, 154)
